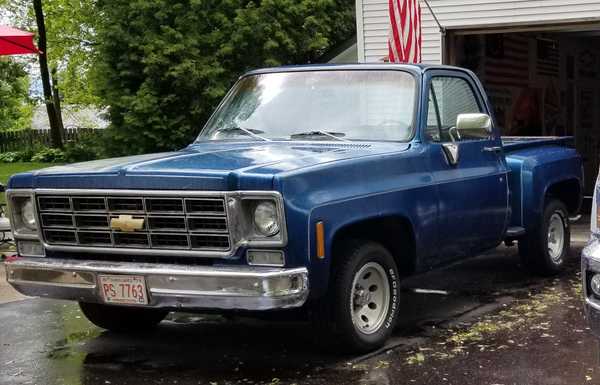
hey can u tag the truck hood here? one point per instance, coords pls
(204, 166)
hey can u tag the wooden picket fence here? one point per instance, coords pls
(26, 139)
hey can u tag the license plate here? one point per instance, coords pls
(123, 289)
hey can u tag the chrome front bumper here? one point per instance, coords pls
(169, 286)
(590, 264)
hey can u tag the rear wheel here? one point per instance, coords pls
(120, 318)
(360, 309)
(545, 250)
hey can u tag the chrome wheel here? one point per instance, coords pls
(556, 237)
(370, 298)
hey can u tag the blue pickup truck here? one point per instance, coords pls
(310, 187)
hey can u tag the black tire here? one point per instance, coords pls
(534, 246)
(121, 318)
(332, 315)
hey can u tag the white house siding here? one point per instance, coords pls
(372, 20)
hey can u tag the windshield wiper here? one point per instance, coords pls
(253, 133)
(334, 135)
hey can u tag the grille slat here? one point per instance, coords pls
(94, 238)
(205, 206)
(179, 241)
(166, 223)
(126, 204)
(57, 220)
(91, 221)
(131, 239)
(60, 237)
(48, 203)
(207, 224)
(164, 205)
(216, 241)
(170, 223)
(89, 204)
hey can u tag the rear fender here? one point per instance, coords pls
(537, 175)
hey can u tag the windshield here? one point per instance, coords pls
(317, 105)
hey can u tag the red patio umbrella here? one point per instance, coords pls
(15, 42)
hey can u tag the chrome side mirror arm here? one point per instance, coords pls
(452, 153)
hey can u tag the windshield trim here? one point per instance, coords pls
(230, 93)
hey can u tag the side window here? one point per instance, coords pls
(448, 98)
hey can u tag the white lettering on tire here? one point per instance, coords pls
(394, 299)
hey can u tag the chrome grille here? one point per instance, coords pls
(169, 223)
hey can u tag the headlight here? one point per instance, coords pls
(22, 210)
(28, 215)
(266, 219)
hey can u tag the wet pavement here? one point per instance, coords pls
(7, 293)
(483, 321)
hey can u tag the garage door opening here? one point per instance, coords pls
(539, 83)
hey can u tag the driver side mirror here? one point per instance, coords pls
(474, 126)
(2, 188)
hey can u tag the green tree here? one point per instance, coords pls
(70, 28)
(163, 65)
(70, 34)
(15, 107)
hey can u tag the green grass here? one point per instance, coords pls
(8, 169)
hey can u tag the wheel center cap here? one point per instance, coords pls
(361, 297)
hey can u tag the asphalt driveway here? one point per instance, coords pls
(483, 321)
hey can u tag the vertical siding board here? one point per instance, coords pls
(360, 34)
(466, 14)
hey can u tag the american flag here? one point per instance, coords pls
(404, 42)
(506, 60)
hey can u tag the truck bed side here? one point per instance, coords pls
(541, 167)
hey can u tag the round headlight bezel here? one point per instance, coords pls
(266, 218)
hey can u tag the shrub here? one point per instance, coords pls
(89, 146)
(17, 156)
(49, 155)
(78, 152)
(9, 157)
(27, 154)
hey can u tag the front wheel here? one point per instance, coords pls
(360, 309)
(122, 318)
(544, 251)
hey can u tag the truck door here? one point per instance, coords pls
(472, 191)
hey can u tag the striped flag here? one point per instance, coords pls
(404, 42)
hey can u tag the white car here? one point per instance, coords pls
(590, 268)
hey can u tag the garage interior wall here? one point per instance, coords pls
(540, 84)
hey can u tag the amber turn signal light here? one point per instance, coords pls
(320, 232)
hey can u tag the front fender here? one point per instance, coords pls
(417, 206)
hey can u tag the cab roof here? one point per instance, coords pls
(414, 68)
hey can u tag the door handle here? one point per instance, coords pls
(494, 149)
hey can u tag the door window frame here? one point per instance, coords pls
(477, 93)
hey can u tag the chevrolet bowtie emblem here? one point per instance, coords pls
(126, 223)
